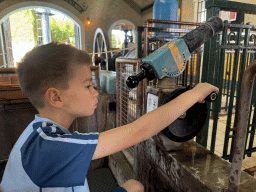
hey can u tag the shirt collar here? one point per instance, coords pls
(40, 119)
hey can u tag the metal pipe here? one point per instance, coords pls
(171, 22)
(146, 39)
(46, 31)
(7, 70)
(242, 118)
(117, 50)
(139, 41)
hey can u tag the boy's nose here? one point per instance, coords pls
(95, 93)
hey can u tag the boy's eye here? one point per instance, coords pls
(88, 86)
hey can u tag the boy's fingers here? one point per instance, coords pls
(216, 89)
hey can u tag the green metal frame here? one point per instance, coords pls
(231, 6)
(209, 65)
(213, 70)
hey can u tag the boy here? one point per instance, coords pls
(57, 80)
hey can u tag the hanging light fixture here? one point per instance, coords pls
(88, 21)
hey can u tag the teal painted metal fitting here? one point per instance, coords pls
(164, 60)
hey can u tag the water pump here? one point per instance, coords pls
(170, 61)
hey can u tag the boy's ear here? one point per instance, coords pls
(52, 96)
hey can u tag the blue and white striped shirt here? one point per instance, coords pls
(46, 157)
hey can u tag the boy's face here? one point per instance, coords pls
(80, 99)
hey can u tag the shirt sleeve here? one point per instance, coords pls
(53, 160)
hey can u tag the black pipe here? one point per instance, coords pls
(198, 36)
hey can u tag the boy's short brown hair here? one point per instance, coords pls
(46, 66)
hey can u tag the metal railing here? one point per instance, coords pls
(226, 57)
(232, 59)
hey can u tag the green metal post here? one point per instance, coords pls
(219, 83)
(209, 61)
(230, 55)
(233, 86)
(139, 30)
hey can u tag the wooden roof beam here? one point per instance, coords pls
(133, 5)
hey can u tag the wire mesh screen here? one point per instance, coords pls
(159, 32)
(129, 101)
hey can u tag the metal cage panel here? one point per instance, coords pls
(129, 101)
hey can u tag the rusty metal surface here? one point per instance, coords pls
(241, 121)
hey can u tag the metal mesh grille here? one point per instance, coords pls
(159, 32)
(130, 101)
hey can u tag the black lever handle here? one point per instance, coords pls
(147, 71)
(133, 81)
(211, 98)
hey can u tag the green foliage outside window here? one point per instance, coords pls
(62, 31)
(116, 41)
(24, 27)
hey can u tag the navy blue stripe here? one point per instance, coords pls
(47, 128)
(37, 125)
(52, 135)
(47, 162)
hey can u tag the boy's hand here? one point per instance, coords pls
(203, 90)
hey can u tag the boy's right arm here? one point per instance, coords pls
(150, 124)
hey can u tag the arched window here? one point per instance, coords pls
(25, 28)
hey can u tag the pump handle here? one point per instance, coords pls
(211, 98)
(146, 72)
